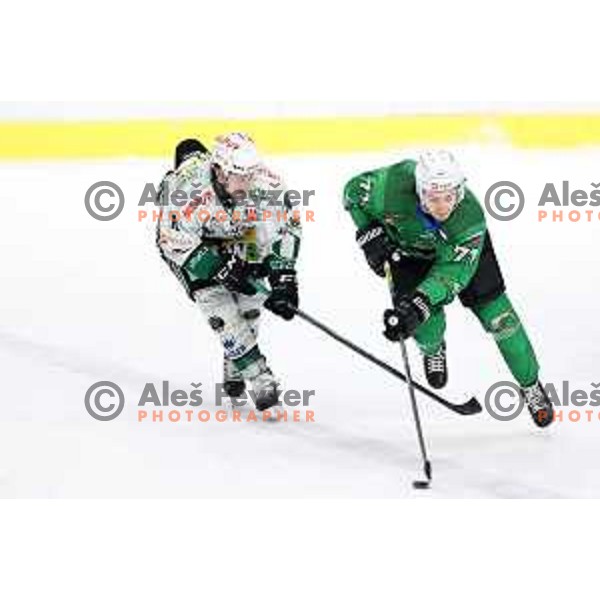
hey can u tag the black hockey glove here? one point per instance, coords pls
(235, 275)
(377, 247)
(403, 320)
(284, 293)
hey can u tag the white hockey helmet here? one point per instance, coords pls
(439, 171)
(236, 153)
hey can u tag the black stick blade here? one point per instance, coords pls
(421, 485)
(472, 407)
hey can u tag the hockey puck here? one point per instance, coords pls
(421, 485)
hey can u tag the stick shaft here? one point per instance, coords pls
(415, 410)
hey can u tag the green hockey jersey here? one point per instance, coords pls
(388, 196)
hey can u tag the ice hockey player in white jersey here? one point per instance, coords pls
(226, 223)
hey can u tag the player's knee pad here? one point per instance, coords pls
(505, 325)
(226, 320)
(499, 318)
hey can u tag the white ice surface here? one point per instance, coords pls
(83, 301)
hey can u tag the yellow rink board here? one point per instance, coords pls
(156, 138)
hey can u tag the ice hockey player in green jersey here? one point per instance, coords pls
(419, 220)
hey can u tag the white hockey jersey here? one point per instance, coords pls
(257, 228)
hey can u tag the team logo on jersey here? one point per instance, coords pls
(469, 250)
(462, 253)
